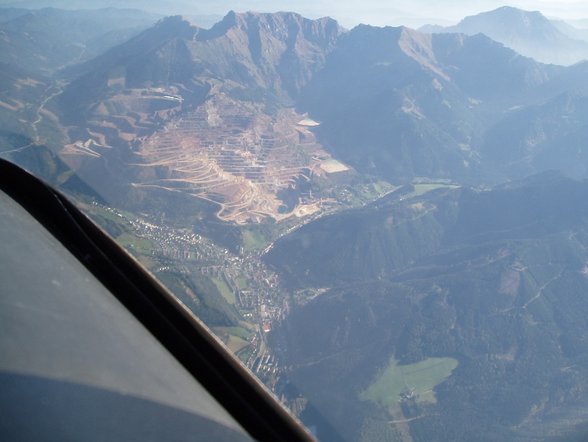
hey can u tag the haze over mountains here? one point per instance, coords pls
(528, 33)
(68, 36)
(363, 202)
(419, 105)
(494, 279)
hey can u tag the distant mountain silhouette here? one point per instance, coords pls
(45, 40)
(528, 33)
(577, 33)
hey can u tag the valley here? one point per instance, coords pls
(387, 226)
(237, 296)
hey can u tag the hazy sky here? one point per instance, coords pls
(413, 12)
(348, 12)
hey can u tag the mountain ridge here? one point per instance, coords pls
(362, 167)
(527, 32)
(241, 47)
(505, 270)
(69, 36)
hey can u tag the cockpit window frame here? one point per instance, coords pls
(157, 309)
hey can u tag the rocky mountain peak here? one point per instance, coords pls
(174, 26)
(287, 27)
(508, 19)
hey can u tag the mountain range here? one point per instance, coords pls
(399, 183)
(528, 32)
(392, 102)
(257, 54)
(494, 279)
(68, 37)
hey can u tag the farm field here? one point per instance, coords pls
(414, 380)
(224, 290)
(421, 189)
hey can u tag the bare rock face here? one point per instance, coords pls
(277, 51)
(392, 102)
(259, 57)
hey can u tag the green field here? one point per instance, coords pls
(245, 353)
(421, 189)
(236, 344)
(240, 332)
(135, 244)
(224, 290)
(421, 378)
(253, 240)
(235, 338)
